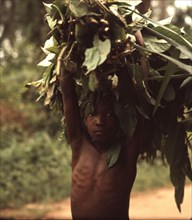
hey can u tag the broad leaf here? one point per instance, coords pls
(47, 61)
(155, 44)
(51, 22)
(171, 34)
(113, 155)
(169, 93)
(170, 70)
(176, 155)
(131, 119)
(172, 37)
(178, 63)
(96, 55)
(78, 8)
(127, 118)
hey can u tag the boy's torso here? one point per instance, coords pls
(98, 192)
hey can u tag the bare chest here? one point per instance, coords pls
(91, 175)
(98, 191)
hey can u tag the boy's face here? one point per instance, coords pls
(102, 124)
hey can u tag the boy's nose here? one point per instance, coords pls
(99, 120)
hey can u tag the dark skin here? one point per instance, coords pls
(98, 193)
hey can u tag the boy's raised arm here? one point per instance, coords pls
(70, 103)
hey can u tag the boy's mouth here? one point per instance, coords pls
(99, 131)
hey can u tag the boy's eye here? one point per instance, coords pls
(91, 114)
(109, 114)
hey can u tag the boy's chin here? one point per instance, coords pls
(101, 140)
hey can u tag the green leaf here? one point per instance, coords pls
(173, 38)
(93, 82)
(132, 3)
(186, 82)
(48, 7)
(165, 21)
(49, 43)
(179, 194)
(49, 94)
(113, 155)
(47, 61)
(96, 55)
(138, 76)
(51, 22)
(48, 73)
(58, 8)
(169, 93)
(155, 44)
(181, 65)
(188, 168)
(176, 153)
(127, 118)
(78, 8)
(131, 119)
(125, 2)
(119, 33)
(170, 70)
(173, 35)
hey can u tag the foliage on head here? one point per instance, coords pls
(96, 40)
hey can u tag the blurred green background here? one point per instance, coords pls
(35, 157)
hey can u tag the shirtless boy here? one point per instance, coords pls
(98, 193)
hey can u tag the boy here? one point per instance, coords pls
(98, 193)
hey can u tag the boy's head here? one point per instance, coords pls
(102, 124)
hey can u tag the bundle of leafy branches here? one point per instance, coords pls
(150, 80)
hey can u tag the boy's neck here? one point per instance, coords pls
(101, 147)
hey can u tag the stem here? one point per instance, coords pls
(176, 76)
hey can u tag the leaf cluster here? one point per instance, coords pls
(150, 81)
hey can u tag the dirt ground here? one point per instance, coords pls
(151, 205)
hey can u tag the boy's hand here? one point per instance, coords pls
(65, 72)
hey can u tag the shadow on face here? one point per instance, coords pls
(102, 125)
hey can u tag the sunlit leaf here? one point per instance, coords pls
(155, 44)
(78, 8)
(48, 7)
(51, 22)
(49, 94)
(172, 37)
(47, 61)
(93, 82)
(114, 80)
(96, 55)
(44, 63)
(49, 43)
(165, 21)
